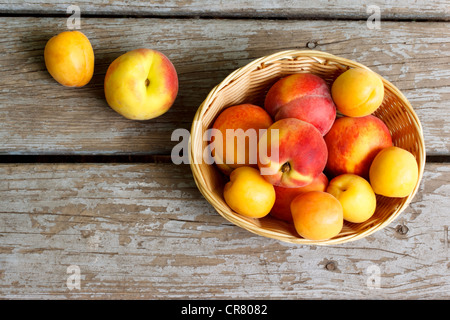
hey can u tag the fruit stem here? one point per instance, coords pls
(285, 167)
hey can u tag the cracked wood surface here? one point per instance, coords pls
(350, 9)
(144, 231)
(414, 56)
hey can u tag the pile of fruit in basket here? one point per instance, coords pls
(321, 155)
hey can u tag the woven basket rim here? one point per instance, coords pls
(321, 57)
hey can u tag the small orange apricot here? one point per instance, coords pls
(394, 172)
(357, 92)
(248, 193)
(317, 215)
(69, 58)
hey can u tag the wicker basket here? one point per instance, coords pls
(249, 84)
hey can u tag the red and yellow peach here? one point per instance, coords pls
(233, 147)
(292, 153)
(353, 143)
(141, 84)
(304, 96)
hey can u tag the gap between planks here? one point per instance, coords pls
(237, 9)
(225, 16)
(127, 158)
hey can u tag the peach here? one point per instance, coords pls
(292, 153)
(141, 84)
(304, 96)
(357, 92)
(284, 196)
(353, 143)
(236, 149)
(248, 193)
(69, 58)
(317, 215)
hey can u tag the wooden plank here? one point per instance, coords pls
(143, 231)
(354, 9)
(41, 117)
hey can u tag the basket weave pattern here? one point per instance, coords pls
(249, 84)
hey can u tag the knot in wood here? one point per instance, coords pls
(311, 44)
(402, 229)
(330, 266)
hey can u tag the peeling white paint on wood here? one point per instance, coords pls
(406, 9)
(414, 56)
(144, 231)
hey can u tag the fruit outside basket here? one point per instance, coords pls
(249, 84)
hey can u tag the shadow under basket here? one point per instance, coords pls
(249, 84)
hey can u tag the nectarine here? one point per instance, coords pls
(299, 153)
(141, 84)
(304, 96)
(236, 148)
(353, 143)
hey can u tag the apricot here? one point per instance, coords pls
(355, 195)
(357, 92)
(394, 172)
(69, 58)
(248, 193)
(317, 215)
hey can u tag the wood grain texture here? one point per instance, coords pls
(143, 231)
(353, 9)
(40, 116)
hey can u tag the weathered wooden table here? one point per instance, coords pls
(91, 206)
